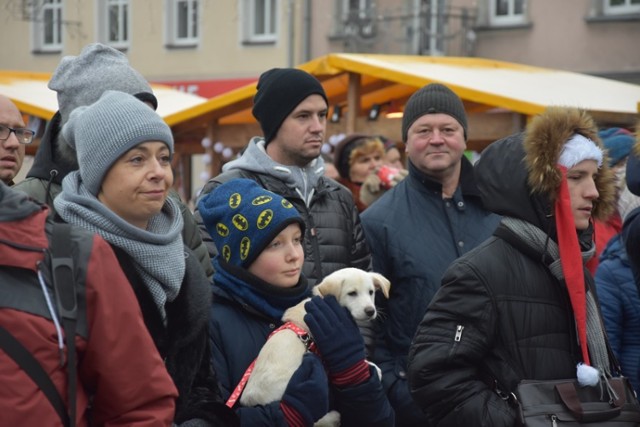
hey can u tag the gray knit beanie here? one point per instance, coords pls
(431, 99)
(80, 80)
(102, 132)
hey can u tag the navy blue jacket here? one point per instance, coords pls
(414, 234)
(238, 332)
(620, 306)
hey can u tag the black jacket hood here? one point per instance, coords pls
(48, 163)
(501, 177)
(15, 205)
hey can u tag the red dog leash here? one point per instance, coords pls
(304, 337)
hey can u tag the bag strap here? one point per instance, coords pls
(569, 396)
(34, 369)
(64, 285)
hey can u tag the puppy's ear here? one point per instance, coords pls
(329, 286)
(381, 283)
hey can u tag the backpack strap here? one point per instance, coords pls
(64, 284)
(34, 369)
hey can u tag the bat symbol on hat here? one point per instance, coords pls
(286, 204)
(240, 222)
(261, 200)
(245, 245)
(226, 252)
(234, 200)
(264, 219)
(222, 229)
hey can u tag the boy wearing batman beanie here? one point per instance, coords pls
(259, 237)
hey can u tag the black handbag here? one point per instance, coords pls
(565, 403)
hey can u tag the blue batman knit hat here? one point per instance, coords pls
(243, 218)
(103, 131)
(617, 142)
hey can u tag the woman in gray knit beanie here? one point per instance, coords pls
(120, 192)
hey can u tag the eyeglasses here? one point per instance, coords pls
(25, 136)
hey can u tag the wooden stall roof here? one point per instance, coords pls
(30, 93)
(483, 85)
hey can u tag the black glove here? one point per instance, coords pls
(335, 333)
(306, 398)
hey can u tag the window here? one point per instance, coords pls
(47, 27)
(114, 23)
(262, 20)
(355, 18)
(183, 25)
(356, 9)
(433, 22)
(507, 12)
(621, 7)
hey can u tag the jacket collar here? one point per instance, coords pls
(466, 185)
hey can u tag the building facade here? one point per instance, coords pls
(588, 36)
(212, 46)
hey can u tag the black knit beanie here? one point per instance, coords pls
(431, 99)
(280, 90)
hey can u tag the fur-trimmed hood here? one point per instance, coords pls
(517, 176)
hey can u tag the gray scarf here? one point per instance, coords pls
(539, 241)
(157, 252)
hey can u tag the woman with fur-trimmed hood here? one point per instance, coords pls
(510, 310)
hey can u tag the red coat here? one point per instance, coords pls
(117, 361)
(603, 232)
(355, 191)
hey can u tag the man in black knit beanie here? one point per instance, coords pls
(291, 107)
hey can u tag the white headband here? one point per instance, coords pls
(577, 149)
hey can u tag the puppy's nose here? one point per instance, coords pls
(370, 311)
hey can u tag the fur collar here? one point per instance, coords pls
(544, 139)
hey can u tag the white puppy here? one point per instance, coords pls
(282, 354)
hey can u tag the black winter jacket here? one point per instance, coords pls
(184, 342)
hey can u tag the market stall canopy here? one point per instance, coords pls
(484, 85)
(30, 93)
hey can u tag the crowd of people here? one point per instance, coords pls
(522, 266)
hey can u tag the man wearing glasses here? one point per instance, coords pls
(13, 137)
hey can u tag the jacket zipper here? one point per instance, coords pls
(458, 336)
(456, 339)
